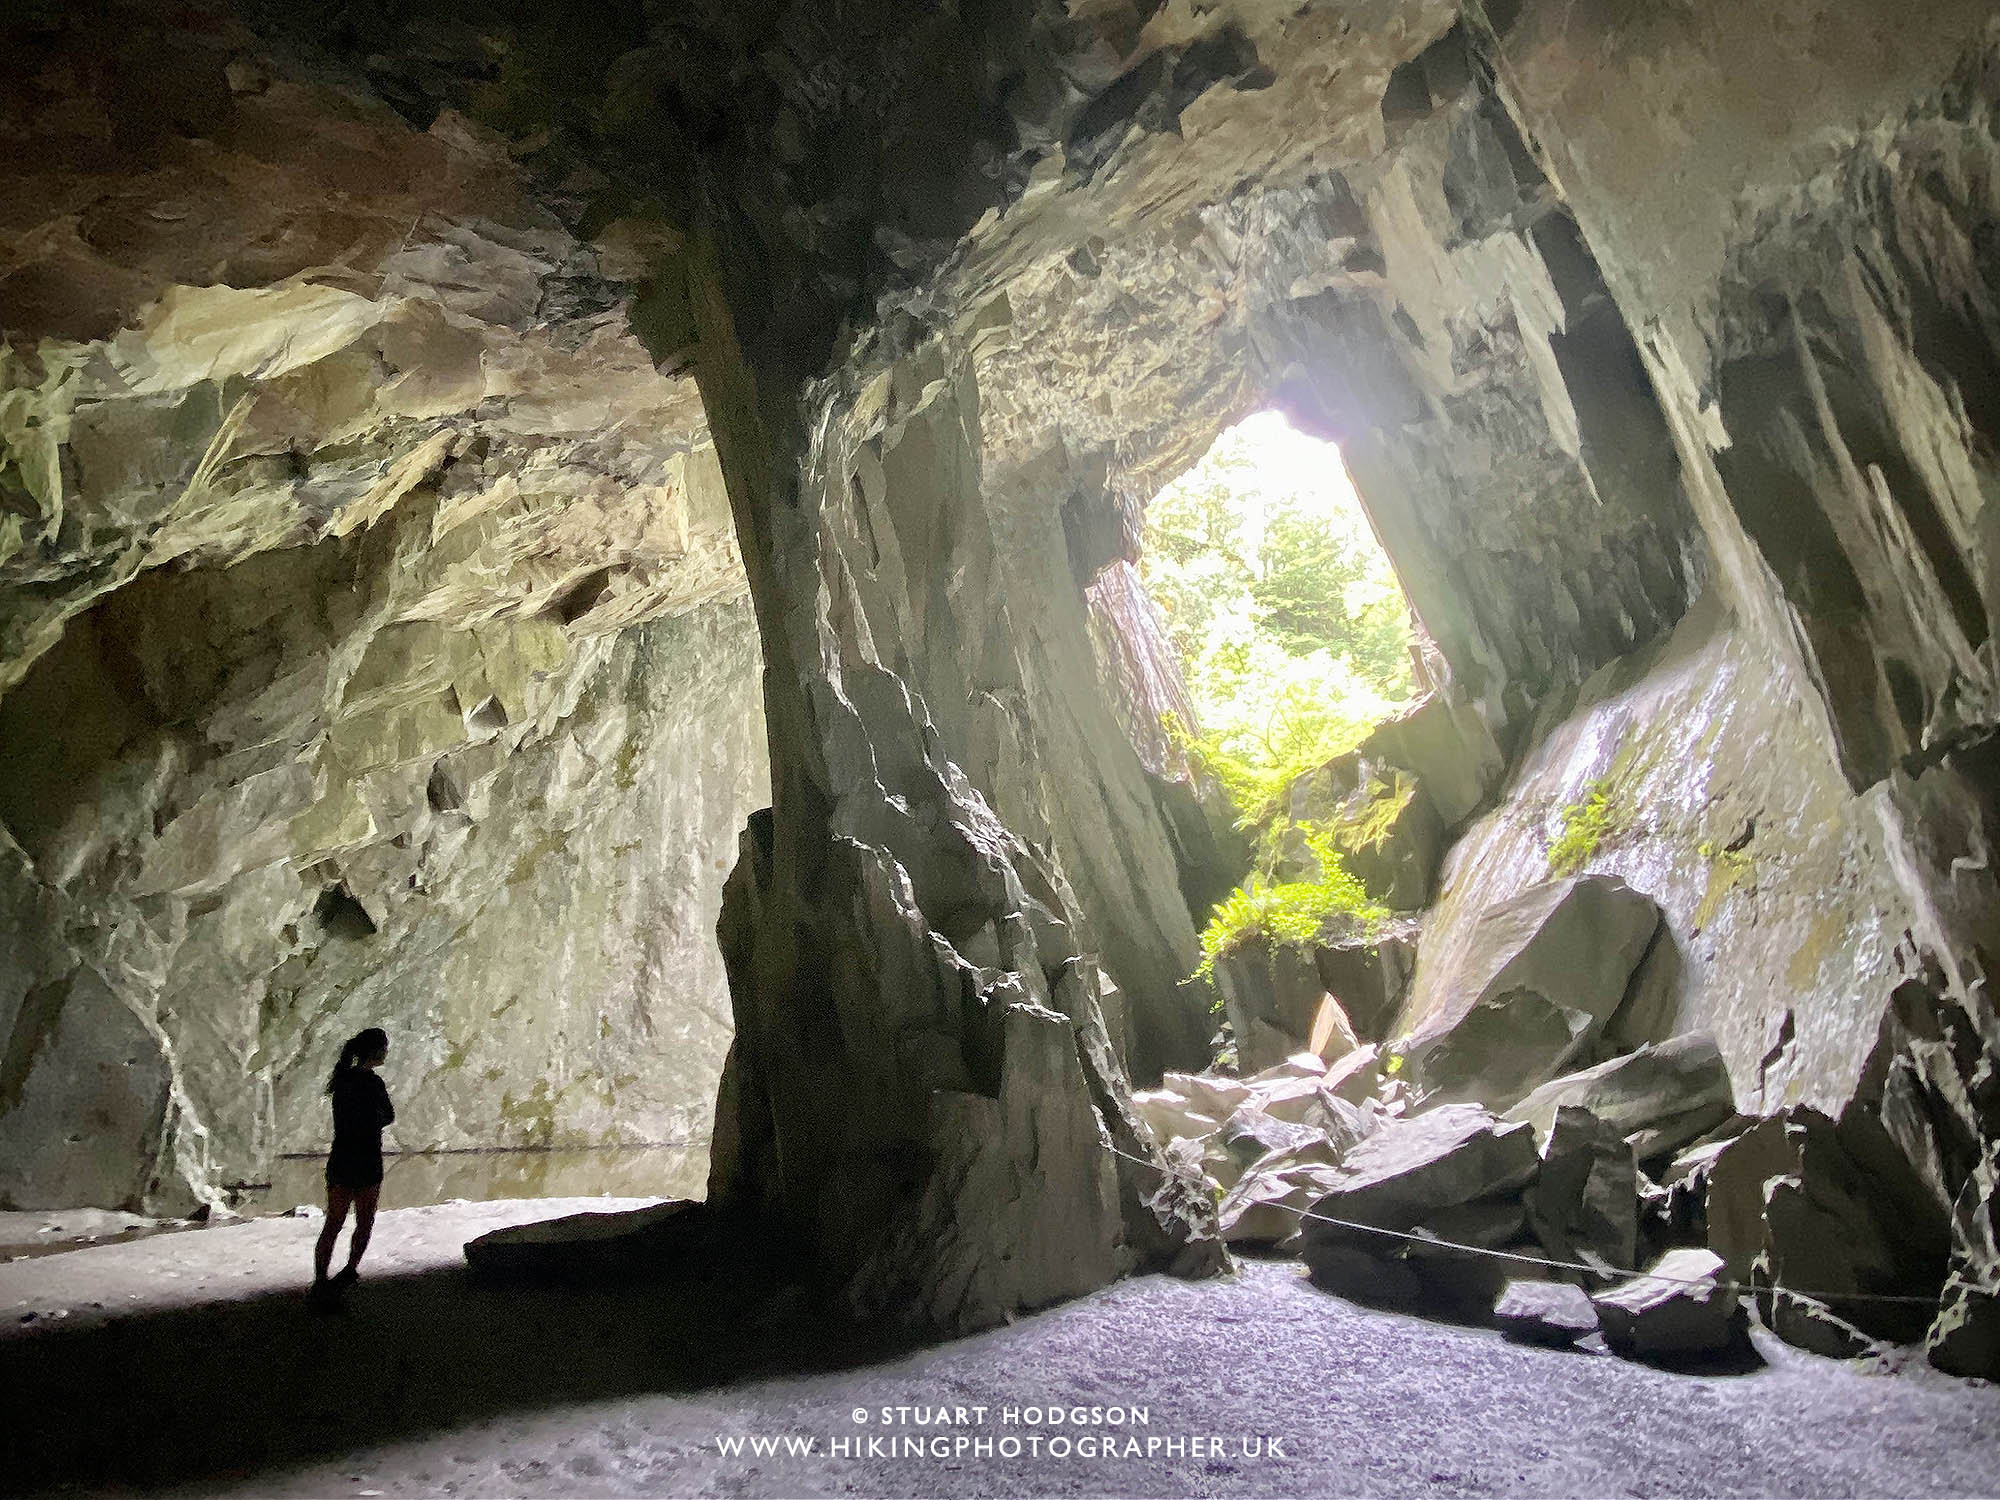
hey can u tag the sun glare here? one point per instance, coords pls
(1284, 461)
(1290, 625)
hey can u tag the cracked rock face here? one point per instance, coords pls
(372, 643)
(348, 519)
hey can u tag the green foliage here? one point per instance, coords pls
(1329, 587)
(1255, 783)
(1737, 861)
(1291, 628)
(1585, 826)
(1288, 911)
(1728, 870)
(1294, 637)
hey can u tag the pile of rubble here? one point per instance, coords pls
(1628, 1197)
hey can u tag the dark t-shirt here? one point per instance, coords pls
(361, 1108)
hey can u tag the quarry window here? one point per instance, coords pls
(1295, 639)
(1288, 620)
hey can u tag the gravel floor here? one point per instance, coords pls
(204, 1371)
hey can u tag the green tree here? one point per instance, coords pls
(1291, 627)
(1326, 587)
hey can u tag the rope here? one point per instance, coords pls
(1603, 1272)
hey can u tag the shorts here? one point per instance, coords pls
(354, 1172)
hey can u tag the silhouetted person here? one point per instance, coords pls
(361, 1108)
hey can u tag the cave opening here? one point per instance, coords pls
(471, 481)
(1289, 623)
(1295, 641)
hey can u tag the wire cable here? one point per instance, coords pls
(1602, 1272)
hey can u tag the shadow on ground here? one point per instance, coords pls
(230, 1389)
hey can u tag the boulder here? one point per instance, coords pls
(590, 1247)
(1369, 977)
(1209, 1094)
(1251, 1134)
(1296, 1064)
(1680, 1306)
(1216, 1161)
(1732, 1186)
(1445, 1257)
(1453, 1174)
(1585, 1205)
(1294, 1100)
(1359, 1275)
(1658, 1098)
(1356, 1076)
(1674, 1209)
(1501, 1049)
(1544, 1312)
(1332, 1036)
(1169, 1113)
(1448, 747)
(1266, 1205)
(1691, 1166)
(1841, 1212)
(1408, 1170)
(1965, 1338)
(1483, 1224)
(1272, 994)
(1547, 970)
(1809, 1324)
(1653, 1000)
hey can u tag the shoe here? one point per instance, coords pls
(345, 1279)
(323, 1295)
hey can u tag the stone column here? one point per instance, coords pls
(921, 1088)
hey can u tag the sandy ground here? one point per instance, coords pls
(53, 1231)
(191, 1363)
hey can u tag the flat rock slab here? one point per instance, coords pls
(1545, 1312)
(1547, 970)
(579, 1246)
(1676, 1309)
(1659, 1097)
(1586, 1201)
(1411, 1168)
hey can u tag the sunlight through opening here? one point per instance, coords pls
(1288, 620)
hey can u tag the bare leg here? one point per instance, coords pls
(337, 1199)
(364, 1224)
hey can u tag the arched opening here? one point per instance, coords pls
(1291, 628)
(382, 661)
(1295, 641)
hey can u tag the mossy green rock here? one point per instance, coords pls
(1381, 822)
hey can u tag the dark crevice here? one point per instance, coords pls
(441, 792)
(341, 916)
(489, 718)
(1408, 96)
(581, 597)
(41, 1010)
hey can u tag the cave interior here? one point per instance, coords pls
(604, 540)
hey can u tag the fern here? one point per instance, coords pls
(1256, 786)
(1585, 826)
(1287, 911)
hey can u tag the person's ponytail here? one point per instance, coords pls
(362, 1044)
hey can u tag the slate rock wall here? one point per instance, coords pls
(373, 643)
